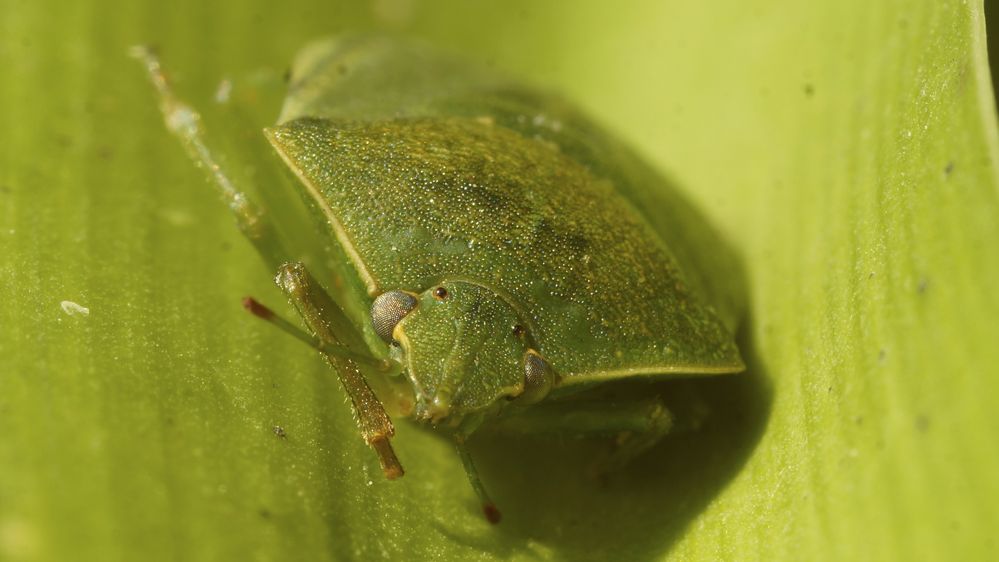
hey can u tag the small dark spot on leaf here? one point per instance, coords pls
(265, 513)
(922, 423)
(279, 431)
(286, 76)
(949, 168)
(924, 283)
(882, 355)
(5, 189)
(342, 69)
(859, 420)
(105, 152)
(809, 90)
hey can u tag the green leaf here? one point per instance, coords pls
(849, 150)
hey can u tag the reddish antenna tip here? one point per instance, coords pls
(493, 515)
(257, 309)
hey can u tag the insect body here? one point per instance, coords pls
(509, 253)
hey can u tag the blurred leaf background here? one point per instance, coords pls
(847, 149)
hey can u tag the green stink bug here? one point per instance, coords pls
(506, 253)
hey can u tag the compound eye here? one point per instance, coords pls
(390, 308)
(539, 377)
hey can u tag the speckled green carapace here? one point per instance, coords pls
(507, 251)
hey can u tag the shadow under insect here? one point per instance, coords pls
(550, 494)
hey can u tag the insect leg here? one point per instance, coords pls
(634, 425)
(640, 429)
(328, 322)
(315, 305)
(184, 122)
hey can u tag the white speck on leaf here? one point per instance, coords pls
(73, 309)
(223, 92)
(176, 217)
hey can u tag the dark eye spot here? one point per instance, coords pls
(440, 293)
(518, 330)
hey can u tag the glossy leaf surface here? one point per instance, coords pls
(848, 151)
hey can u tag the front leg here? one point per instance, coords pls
(333, 334)
(634, 425)
(321, 314)
(184, 121)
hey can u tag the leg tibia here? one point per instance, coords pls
(184, 122)
(327, 323)
(334, 336)
(635, 426)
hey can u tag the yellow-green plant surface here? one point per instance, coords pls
(848, 149)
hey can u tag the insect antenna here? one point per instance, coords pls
(489, 508)
(265, 313)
